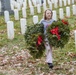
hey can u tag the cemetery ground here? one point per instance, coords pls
(16, 60)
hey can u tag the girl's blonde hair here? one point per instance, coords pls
(45, 14)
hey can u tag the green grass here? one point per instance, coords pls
(59, 55)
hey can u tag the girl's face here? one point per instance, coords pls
(48, 15)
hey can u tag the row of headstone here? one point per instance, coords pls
(16, 12)
(24, 6)
(57, 2)
(23, 3)
(61, 3)
(18, 4)
(61, 13)
(10, 28)
(10, 24)
(44, 6)
(5, 5)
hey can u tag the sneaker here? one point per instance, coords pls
(50, 65)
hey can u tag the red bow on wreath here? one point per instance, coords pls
(64, 22)
(55, 31)
(39, 40)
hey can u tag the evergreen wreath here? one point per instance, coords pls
(34, 37)
(58, 33)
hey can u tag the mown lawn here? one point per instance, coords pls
(15, 58)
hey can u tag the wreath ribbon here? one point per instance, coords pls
(64, 22)
(39, 40)
(55, 31)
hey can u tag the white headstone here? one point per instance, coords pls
(52, 1)
(24, 12)
(16, 14)
(18, 6)
(44, 6)
(67, 11)
(40, 2)
(35, 19)
(55, 5)
(72, 1)
(54, 15)
(10, 30)
(24, 5)
(21, 2)
(74, 9)
(12, 7)
(61, 14)
(34, 2)
(6, 16)
(65, 3)
(44, 1)
(38, 8)
(15, 4)
(60, 3)
(37, 2)
(48, 1)
(29, 2)
(69, 2)
(32, 10)
(50, 5)
(25, 1)
(23, 25)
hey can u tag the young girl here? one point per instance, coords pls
(46, 21)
